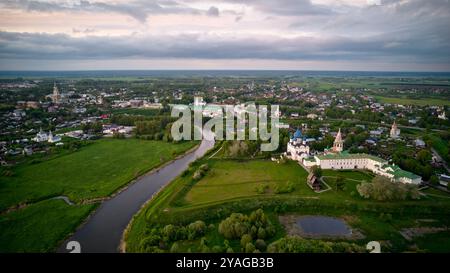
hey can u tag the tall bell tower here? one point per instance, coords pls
(338, 145)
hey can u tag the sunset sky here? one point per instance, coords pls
(376, 35)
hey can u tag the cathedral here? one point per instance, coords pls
(395, 132)
(297, 148)
(56, 96)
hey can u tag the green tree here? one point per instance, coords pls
(434, 180)
(260, 244)
(261, 233)
(175, 248)
(246, 238)
(170, 232)
(196, 229)
(317, 171)
(250, 248)
(424, 156)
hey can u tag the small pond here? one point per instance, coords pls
(323, 226)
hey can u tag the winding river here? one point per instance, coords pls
(104, 228)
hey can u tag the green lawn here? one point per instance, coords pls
(419, 102)
(233, 179)
(97, 170)
(39, 227)
(434, 242)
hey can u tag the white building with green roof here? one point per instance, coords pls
(360, 161)
(337, 159)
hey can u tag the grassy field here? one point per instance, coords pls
(39, 227)
(229, 186)
(435, 242)
(419, 102)
(223, 182)
(96, 170)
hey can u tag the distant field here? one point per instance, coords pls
(419, 102)
(96, 170)
(131, 111)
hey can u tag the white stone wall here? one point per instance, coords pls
(342, 164)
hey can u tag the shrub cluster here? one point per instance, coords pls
(286, 188)
(295, 244)
(251, 230)
(200, 172)
(382, 189)
(159, 239)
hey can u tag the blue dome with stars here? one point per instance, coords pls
(298, 134)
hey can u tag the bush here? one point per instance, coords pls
(287, 188)
(200, 172)
(197, 175)
(204, 167)
(260, 245)
(261, 188)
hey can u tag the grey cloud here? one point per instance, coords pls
(284, 7)
(64, 47)
(213, 11)
(138, 9)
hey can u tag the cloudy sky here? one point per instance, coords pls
(389, 35)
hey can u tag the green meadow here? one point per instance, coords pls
(408, 101)
(97, 170)
(94, 171)
(41, 226)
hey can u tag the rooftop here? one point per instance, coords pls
(347, 155)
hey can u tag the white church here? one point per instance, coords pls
(338, 159)
(41, 136)
(297, 148)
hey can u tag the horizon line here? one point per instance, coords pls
(225, 69)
